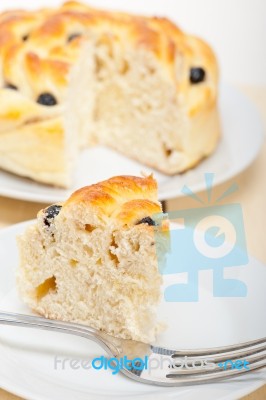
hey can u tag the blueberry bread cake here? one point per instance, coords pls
(94, 260)
(73, 77)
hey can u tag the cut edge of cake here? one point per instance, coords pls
(94, 259)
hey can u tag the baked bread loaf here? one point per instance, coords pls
(139, 85)
(94, 260)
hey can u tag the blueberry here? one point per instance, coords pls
(73, 36)
(50, 213)
(10, 86)
(197, 75)
(47, 99)
(147, 220)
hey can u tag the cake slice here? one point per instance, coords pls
(93, 259)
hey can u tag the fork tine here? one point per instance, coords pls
(210, 376)
(214, 350)
(202, 371)
(239, 354)
(230, 355)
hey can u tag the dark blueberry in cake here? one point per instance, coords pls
(147, 220)
(47, 99)
(10, 86)
(73, 36)
(50, 213)
(197, 75)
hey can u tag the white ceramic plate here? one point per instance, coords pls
(27, 355)
(242, 136)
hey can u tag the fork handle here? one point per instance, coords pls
(29, 321)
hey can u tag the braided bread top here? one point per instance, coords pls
(37, 49)
(125, 200)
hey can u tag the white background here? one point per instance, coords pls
(236, 29)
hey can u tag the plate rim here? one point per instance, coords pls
(31, 396)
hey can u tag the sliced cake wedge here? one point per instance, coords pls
(93, 259)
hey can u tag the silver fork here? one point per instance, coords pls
(168, 373)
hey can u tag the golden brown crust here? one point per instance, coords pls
(37, 44)
(134, 210)
(38, 48)
(117, 188)
(39, 155)
(126, 199)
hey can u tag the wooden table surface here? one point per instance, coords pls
(251, 195)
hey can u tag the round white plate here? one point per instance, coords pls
(242, 136)
(27, 356)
